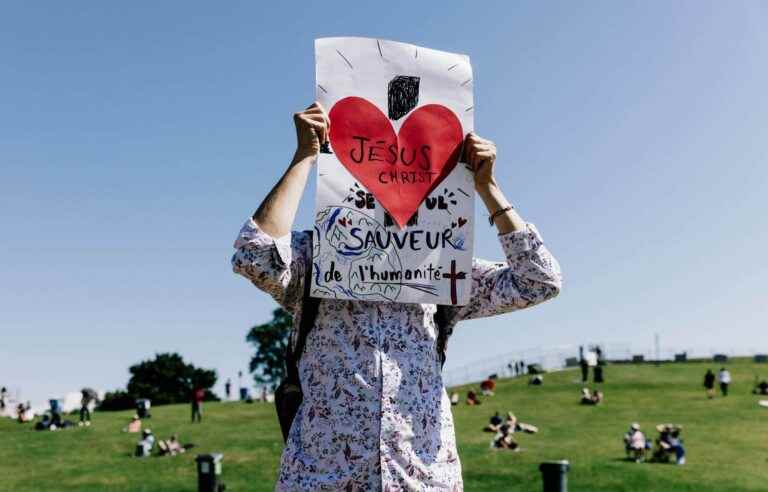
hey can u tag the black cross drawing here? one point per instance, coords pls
(454, 276)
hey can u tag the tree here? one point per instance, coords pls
(168, 379)
(270, 340)
(117, 400)
(164, 379)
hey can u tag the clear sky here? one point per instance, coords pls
(135, 139)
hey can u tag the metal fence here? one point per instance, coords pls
(556, 358)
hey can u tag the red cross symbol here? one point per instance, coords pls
(454, 277)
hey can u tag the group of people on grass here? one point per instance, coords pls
(168, 447)
(487, 388)
(516, 368)
(146, 445)
(504, 429)
(668, 445)
(724, 378)
(53, 420)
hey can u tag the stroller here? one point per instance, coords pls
(142, 408)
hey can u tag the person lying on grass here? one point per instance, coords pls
(591, 398)
(375, 414)
(511, 422)
(172, 446)
(504, 439)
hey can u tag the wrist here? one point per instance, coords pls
(487, 188)
(303, 154)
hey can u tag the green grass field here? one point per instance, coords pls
(726, 440)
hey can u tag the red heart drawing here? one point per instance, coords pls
(400, 170)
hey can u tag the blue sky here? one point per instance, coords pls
(135, 139)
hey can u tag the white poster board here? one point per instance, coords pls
(394, 213)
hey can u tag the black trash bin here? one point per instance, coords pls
(555, 475)
(209, 472)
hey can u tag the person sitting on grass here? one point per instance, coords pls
(487, 387)
(134, 425)
(761, 388)
(145, 446)
(668, 444)
(661, 450)
(455, 397)
(536, 380)
(44, 423)
(495, 424)
(24, 413)
(676, 445)
(635, 443)
(504, 440)
(472, 398)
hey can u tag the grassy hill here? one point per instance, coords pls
(726, 440)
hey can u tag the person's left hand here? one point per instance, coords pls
(480, 157)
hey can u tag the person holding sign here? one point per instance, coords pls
(375, 414)
(387, 270)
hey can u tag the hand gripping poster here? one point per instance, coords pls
(394, 212)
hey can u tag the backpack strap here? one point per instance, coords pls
(444, 331)
(309, 308)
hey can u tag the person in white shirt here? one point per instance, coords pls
(635, 443)
(725, 379)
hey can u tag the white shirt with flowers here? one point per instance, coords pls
(375, 414)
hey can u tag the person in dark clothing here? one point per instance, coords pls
(495, 423)
(197, 404)
(584, 370)
(504, 440)
(761, 388)
(597, 373)
(228, 388)
(85, 411)
(709, 383)
(472, 398)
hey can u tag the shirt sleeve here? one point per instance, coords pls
(531, 275)
(275, 266)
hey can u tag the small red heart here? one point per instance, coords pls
(343, 221)
(462, 221)
(400, 170)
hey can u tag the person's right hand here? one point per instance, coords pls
(312, 126)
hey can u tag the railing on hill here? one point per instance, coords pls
(555, 358)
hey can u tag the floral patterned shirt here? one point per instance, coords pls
(375, 414)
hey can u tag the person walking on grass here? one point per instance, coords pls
(85, 411)
(709, 383)
(725, 380)
(375, 414)
(198, 395)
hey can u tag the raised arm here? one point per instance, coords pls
(530, 275)
(276, 213)
(480, 156)
(266, 254)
